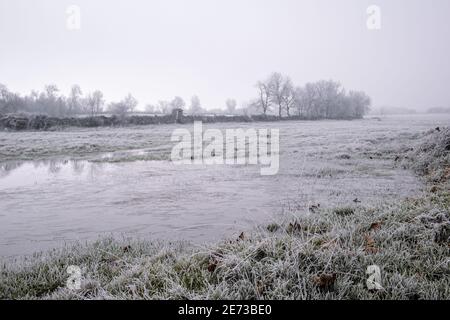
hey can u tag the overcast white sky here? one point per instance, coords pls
(218, 49)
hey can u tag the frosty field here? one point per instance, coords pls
(349, 195)
(77, 184)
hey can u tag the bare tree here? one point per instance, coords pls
(10, 102)
(164, 107)
(6, 98)
(5, 94)
(263, 101)
(231, 105)
(328, 100)
(150, 108)
(74, 101)
(281, 93)
(196, 106)
(276, 91)
(95, 102)
(130, 102)
(359, 103)
(49, 102)
(329, 93)
(300, 101)
(51, 91)
(288, 95)
(177, 103)
(127, 105)
(308, 100)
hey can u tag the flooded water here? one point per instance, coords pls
(64, 201)
(44, 204)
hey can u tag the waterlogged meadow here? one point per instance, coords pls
(64, 186)
(349, 196)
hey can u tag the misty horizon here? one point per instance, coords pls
(218, 51)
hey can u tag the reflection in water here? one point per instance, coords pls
(26, 173)
(78, 167)
(56, 166)
(32, 173)
(7, 167)
(45, 203)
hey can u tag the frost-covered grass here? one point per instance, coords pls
(431, 155)
(78, 143)
(342, 137)
(323, 255)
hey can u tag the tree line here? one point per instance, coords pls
(276, 95)
(325, 99)
(51, 103)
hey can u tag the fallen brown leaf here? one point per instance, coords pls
(370, 245)
(325, 281)
(260, 287)
(375, 226)
(212, 265)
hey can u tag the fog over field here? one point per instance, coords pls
(224, 150)
(217, 50)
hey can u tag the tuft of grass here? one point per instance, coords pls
(273, 227)
(431, 156)
(343, 156)
(344, 211)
